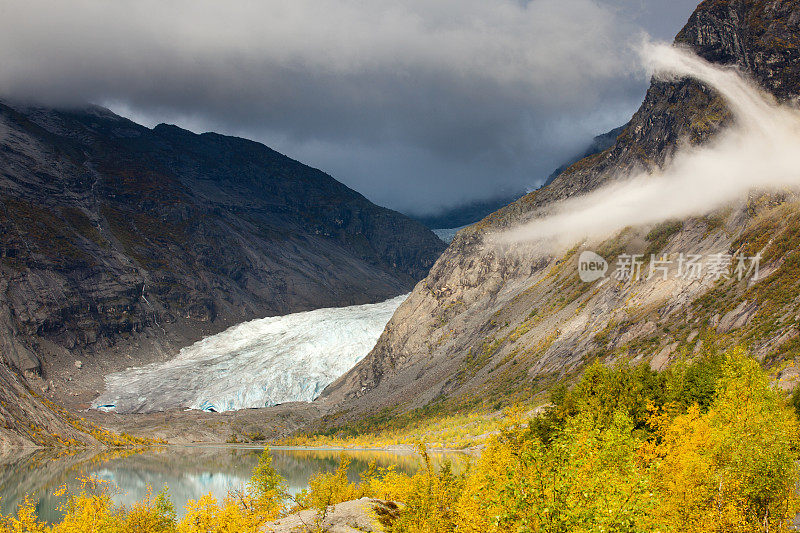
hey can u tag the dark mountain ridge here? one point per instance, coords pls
(599, 144)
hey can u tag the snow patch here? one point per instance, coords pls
(448, 234)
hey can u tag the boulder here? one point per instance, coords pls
(364, 515)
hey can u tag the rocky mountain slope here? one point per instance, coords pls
(26, 419)
(119, 243)
(489, 326)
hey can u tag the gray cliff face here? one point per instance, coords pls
(120, 243)
(489, 326)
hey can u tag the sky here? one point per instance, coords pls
(420, 105)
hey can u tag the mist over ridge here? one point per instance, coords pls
(759, 150)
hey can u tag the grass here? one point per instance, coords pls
(658, 237)
(456, 431)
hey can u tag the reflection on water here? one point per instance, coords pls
(189, 472)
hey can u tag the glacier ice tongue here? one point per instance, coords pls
(259, 363)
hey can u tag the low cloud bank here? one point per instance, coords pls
(761, 150)
(416, 104)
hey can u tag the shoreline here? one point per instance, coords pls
(400, 449)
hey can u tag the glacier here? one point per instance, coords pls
(448, 234)
(258, 363)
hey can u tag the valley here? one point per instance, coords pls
(616, 350)
(127, 243)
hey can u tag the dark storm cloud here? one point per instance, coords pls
(416, 104)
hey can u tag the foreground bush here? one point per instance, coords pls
(707, 446)
(728, 468)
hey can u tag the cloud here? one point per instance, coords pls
(479, 89)
(759, 151)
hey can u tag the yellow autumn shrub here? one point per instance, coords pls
(207, 515)
(329, 488)
(732, 468)
(25, 520)
(88, 511)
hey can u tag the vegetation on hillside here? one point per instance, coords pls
(706, 446)
(456, 431)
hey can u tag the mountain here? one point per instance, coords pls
(120, 243)
(490, 325)
(599, 144)
(469, 213)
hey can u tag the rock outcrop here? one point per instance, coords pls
(364, 515)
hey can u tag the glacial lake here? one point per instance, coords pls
(189, 472)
